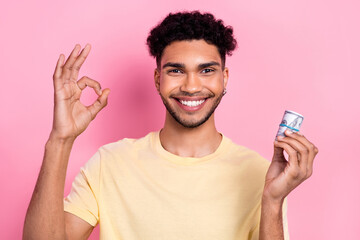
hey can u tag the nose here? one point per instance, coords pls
(191, 84)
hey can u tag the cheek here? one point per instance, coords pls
(167, 85)
(215, 84)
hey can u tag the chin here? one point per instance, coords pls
(196, 121)
(191, 120)
(191, 124)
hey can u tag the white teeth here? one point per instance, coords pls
(192, 103)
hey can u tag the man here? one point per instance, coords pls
(187, 181)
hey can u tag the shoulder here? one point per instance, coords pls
(112, 156)
(247, 158)
(125, 145)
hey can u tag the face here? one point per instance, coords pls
(191, 81)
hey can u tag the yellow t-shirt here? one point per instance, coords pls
(136, 190)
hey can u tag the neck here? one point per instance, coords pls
(190, 142)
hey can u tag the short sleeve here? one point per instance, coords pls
(82, 200)
(255, 233)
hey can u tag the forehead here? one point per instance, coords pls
(190, 52)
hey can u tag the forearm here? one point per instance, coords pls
(45, 215)
(271, 222)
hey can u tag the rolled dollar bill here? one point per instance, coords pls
(292, 121)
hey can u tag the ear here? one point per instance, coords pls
(157, 79)
(226, 76)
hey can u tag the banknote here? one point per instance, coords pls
(292, 121)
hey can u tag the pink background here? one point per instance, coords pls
(296, 55)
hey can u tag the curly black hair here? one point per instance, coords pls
(191, 26)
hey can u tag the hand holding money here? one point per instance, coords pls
(285, 175)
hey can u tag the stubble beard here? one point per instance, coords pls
(191, 124)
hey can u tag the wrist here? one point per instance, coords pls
(59, 140)
(272, 203)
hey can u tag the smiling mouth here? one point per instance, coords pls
(191, 103)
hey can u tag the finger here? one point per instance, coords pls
(299, 137)
(100, 103)
(293, 158)
(58, 69)
(88, 82)
(68, 66)
(79, 62)
(294, 168)
(278, 153)
(301, 149)
(312, 149)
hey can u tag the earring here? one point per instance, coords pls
(224, 92)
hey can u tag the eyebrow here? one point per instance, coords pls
(182, 65)
(209, 64)
(175, 65)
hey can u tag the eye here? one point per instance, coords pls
(177, 71)
(207, 70)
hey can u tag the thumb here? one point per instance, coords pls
(100, 103)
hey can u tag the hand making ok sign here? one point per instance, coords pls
(71, 117)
